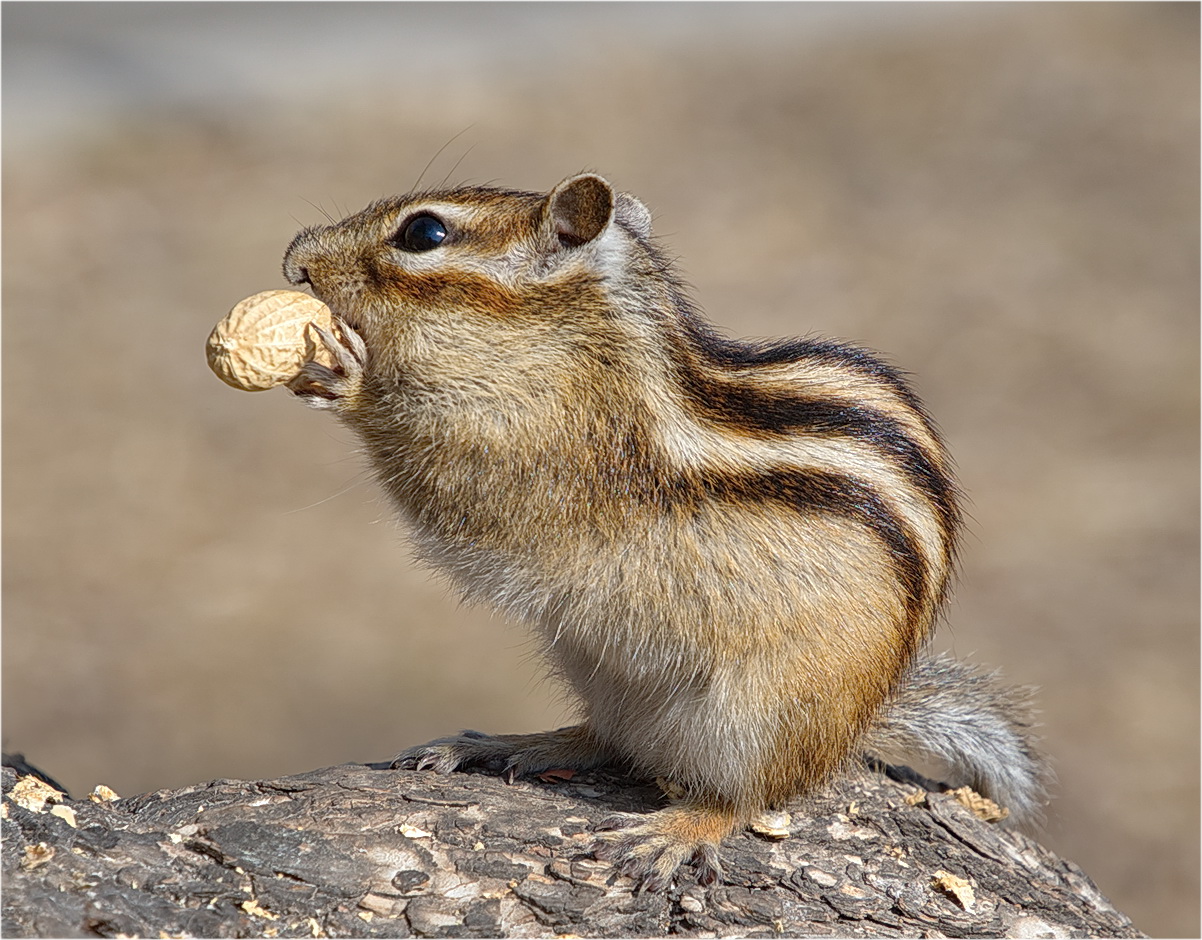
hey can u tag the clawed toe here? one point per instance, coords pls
(348, 351)
(323, 386)
(619, 821)
(426, 758)
(709, 867)
(468, 748)
(644, 853)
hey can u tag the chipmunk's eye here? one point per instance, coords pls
(420, 234)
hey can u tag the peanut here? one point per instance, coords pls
(265, 339)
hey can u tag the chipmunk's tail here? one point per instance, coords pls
(983, 730)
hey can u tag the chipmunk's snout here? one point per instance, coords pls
(328, 258)
(297, 276)
(299, 256)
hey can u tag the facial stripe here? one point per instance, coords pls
(446, 287)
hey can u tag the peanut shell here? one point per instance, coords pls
(265, 339)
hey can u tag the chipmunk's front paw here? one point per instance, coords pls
(323, 386)
(652, 849)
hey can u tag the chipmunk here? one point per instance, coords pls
(733, 552)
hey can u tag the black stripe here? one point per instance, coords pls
(728, 354)
(811, 491)
(752, 410)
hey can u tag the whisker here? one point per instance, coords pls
(438, 154)
(456, 166)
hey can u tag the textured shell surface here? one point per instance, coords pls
(265, 339)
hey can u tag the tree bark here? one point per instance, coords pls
(364, 851)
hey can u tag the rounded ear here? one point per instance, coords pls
(579, 209)
(633, 213)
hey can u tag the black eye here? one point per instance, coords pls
(420, 234)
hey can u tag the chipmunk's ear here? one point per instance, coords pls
(633, 213)
(578, 210)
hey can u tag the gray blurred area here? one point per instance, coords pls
(204, 583)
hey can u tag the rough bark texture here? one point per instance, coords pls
(363, 851)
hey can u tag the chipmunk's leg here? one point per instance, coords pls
(511, 754)
(652, 848)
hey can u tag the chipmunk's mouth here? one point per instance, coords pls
(334, 296)
(353, 322)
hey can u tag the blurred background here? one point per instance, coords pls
(203, 583)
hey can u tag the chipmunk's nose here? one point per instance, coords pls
(299, 257)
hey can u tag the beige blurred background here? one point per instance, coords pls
(203, 583)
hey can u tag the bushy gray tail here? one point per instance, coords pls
(981, 729)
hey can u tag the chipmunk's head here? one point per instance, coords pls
(482, 285)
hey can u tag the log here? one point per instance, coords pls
(360, 850)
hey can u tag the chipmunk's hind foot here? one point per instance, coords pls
(511, 755)
(652, 849)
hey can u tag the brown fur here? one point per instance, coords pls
(731, 552)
